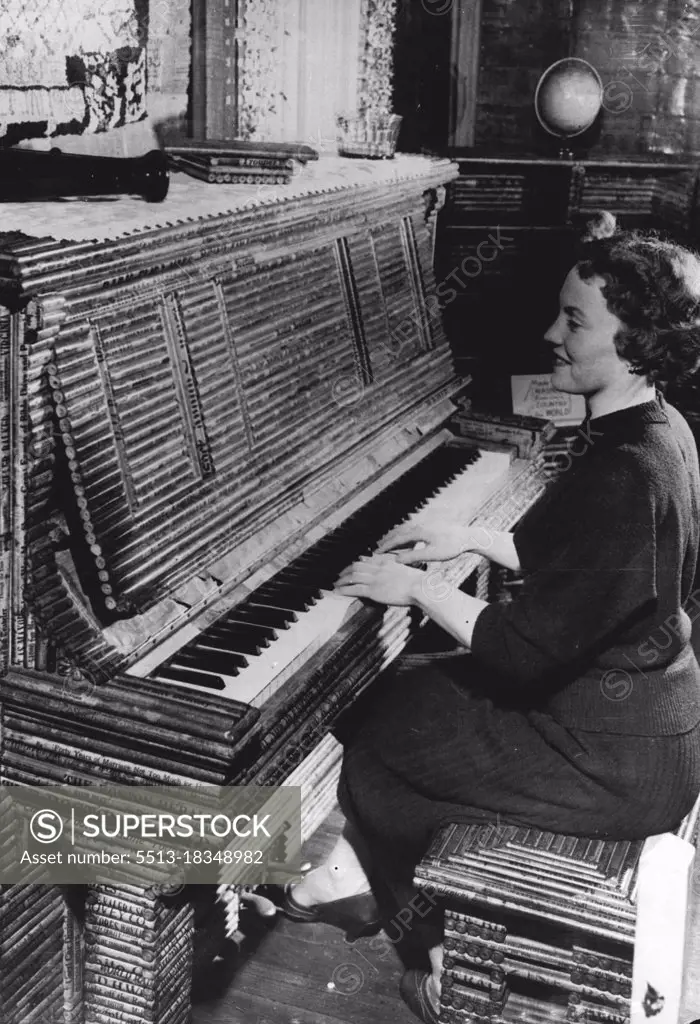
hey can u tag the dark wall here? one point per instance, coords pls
(519, 39)
(647, 53)
(422, 75)
(504, 303)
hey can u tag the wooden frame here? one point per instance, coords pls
(251, 60)
(464, 72)
(215, 59)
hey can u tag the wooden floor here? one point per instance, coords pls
(308, 974)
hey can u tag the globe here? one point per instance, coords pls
(568, 98)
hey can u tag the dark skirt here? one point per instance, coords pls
(426, 748)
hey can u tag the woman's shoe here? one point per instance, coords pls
(357, 915)
(414, 992)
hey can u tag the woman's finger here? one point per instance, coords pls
(413, 556)
(366, 565)
(359, 564)
(399, 538)
(353, 576)
(352, 590)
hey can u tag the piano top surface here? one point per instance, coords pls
(190, 201)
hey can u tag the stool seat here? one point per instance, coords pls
(542, 927)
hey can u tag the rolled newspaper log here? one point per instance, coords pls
(30, 175)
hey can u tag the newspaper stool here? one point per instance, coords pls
(544, 927)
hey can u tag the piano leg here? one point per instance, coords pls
(138, 956)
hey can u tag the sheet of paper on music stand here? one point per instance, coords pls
(533, 395)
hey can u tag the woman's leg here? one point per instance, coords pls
(342, 874)
(434, 986)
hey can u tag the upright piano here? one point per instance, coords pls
(207, 409)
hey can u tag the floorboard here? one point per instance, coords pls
(291, 973)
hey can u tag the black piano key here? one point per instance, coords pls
(276, 618)
(339, 551)
(290, 614)
(210, 659)
(354, 536)
(315, 568)
(304, 591)
(302, 577)
(321, 576)
(241, 640)
(188, 675)
(243, 637)
(293, 576)
(299, 598)
(206, 643)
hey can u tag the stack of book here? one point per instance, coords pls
(237, 161)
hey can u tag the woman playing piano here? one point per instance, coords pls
(576, 707)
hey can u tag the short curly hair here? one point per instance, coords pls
(653, 286)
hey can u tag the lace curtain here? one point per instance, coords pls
(302, 62)
(298, 67)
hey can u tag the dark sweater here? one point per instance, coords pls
(597, 637)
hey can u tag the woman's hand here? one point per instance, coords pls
(437, 540)
(381, 578)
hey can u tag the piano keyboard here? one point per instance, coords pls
(249, 652)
